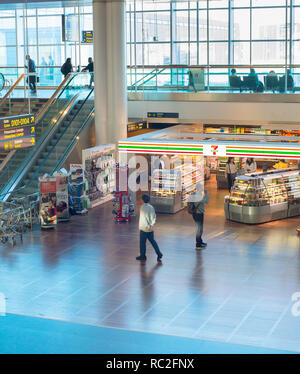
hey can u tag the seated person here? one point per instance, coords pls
(234, 80)
(290, 81)
(253, 74)
(272, 74)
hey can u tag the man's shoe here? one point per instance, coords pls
(159, 258)
(201, 246)
(140, 258)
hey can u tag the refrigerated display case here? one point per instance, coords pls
(171, 188)
(264, 197)
(166, 194)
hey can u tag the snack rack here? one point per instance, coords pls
(123, 207)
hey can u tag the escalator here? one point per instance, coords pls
(57, 129)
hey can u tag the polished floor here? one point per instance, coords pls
(238, 291)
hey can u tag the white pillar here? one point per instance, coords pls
(110, 71)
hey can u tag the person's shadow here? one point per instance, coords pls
(197, 280)
(148, 284)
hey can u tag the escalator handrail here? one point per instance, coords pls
(4, 169)
(28, 161)
(12, 88)
(68, 149)
(73, 141)
(63, 133)
(60, 90)
(52, 98)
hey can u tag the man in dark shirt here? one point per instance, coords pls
(32, 73)
(90, 69)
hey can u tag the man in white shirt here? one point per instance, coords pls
(146, 223)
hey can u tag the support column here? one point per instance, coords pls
(110, 71)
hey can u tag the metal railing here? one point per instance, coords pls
(211, 78)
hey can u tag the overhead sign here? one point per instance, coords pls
(87, 37)
(70, 28)
(17, 143)
(17, 132)
(162, 115)
(17, 121)
(214, 150)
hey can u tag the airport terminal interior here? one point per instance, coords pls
(102, 102)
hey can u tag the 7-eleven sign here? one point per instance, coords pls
(214, 150)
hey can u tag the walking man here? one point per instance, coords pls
(32, 73)
(146, 224)
(196, 207)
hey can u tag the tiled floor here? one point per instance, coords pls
(237, 291)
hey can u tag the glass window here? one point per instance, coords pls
(181, 53)
(153, 54)
(48, 11)
(240, 3)
(158, 5)
(296, 26)
(52, 55)
(8, 31)
(268, 24)
(271, 52)
(153, 26)
(31, 31)
(50, 30)
(218, 25)
(202, 25)
(181, 26)
(218, 3)
(241, 24)
(8, 56)
(202, 54)
(218, 53)
(86, 52)
(193, 54)
(268, 3)
(193, 25)
(241, 53)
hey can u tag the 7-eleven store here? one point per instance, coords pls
(256, 198)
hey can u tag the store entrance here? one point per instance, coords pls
(249, 190)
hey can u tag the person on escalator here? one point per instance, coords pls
(90, 68)
(67, 67)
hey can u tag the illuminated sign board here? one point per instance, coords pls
(17, 143)
(17, 132)
(17, 121)
(87, 37)
(162, 115)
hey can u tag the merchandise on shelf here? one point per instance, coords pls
(123, 205)
(98, 163)
(78, 186)
(264, 197)
(48, 216)
(62, 196)
(171, 187)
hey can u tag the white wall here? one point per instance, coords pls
(220, 112)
